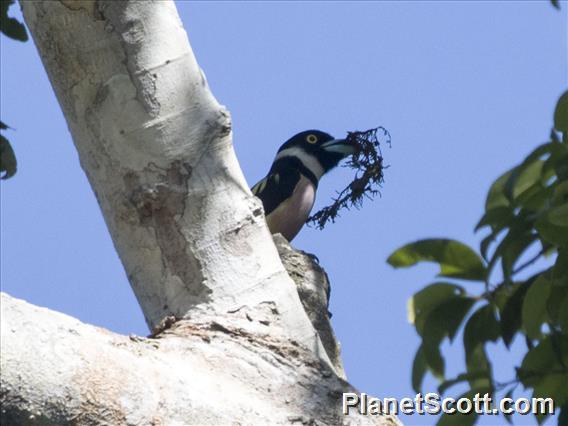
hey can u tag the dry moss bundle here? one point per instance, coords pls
(367, 161)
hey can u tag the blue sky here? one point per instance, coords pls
(465, 88)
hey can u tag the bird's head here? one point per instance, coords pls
(318, 151)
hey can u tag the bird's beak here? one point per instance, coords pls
(339, 146)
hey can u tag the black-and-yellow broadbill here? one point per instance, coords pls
(289, 189)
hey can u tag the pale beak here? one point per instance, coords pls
(339, 146)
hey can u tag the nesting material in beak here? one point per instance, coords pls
(367, 161)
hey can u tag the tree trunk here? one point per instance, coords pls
(231, 339)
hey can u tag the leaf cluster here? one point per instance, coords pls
(521, 271)
(14, 29)
(367, 160)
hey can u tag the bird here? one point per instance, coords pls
(288, 191)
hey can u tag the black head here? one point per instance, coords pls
(316, 145)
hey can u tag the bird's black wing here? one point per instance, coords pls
(275, 188)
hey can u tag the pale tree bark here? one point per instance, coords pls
(232, 341)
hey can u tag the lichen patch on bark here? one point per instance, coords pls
(160, 205)
(131, 32)
(90, 6)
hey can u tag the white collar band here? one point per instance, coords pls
(308, 160)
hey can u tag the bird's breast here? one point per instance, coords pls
(289, 217)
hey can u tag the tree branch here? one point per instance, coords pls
(156, 147)
(220, 370)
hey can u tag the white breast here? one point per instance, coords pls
(289, 217)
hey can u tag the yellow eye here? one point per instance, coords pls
(311, 138)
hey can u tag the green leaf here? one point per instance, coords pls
(434, 359)
(511, 313)
(481, 327)
(485, 243)
(563, 315)
(560, 269)
(446, 318)
(502, 294)
(561, 113)
(496, 196)
(523, 184)
(456, 259)
(523, 178)
(509, 245)
(561, 165)
(558, 216)
(560, 194)
(539, 152)
(430, 297)
(558, 295)
(478, 362)
(534, 306)
(497, 218)
(550, 232)
(548, 358)
(8, 164)
(535, 198)
(556, 162)
(553, 386)
(9, 26)
(513, 250)
(419, 368)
